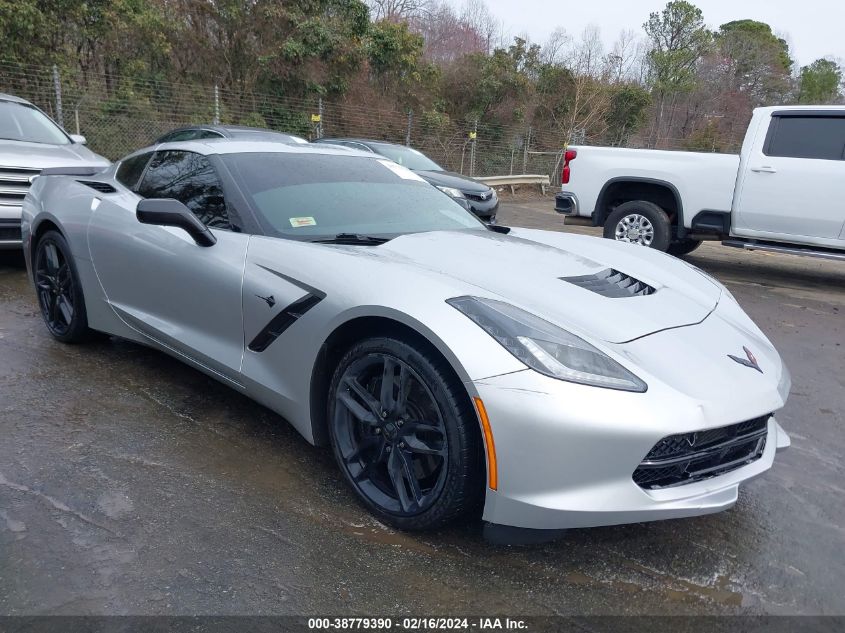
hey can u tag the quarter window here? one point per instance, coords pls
(130, 170)
(189, 178)
(820, 137)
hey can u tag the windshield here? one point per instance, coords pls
(407, 157)
(319, 196)
(21, 122)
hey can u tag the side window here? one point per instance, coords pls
(207, 134)
(130, 170)
(807, 137)
(180, 135)
(189, 178)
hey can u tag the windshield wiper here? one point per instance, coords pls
(353, 238)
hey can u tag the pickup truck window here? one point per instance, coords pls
(821, 137)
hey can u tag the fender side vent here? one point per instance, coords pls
(102, 187)
(611, 283)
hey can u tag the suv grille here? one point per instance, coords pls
(14, 183)
(688, 457)
(611, 283)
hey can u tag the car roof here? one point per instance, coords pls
(363, 141)
(13, 98)
(233, 130)
(258, 145)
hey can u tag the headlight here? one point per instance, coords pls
(451, 191)
(547, 348)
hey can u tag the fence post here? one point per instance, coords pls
(57, 86)
(408, 132)
(474, 137)
(525, 151)
(216, 105)
(319, 130)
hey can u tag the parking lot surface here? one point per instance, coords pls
(131, 484)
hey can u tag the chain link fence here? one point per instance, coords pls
(118, 114)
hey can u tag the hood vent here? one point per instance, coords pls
(102, 187)
(611, 283)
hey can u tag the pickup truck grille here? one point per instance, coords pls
(14, 183)
(611, 283)
(688, 457)
(10, 230)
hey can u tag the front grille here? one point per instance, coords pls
(10, 230)
(688, 457)
(14, 183)
(611, 283)
(479, 197)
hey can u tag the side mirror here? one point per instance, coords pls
(78, 139)
(170, 212)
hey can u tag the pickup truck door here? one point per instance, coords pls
(792, 184)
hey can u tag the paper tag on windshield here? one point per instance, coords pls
(399, 170)
(306, 221)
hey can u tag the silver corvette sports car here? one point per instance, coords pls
(548, 380)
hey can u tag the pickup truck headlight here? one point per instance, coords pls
(547, 348)
(451, 191)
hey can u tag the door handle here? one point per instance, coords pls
(765, 169)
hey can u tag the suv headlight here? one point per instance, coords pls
(451, 191)
(547, 348)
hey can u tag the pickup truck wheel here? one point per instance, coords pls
(682, 247)
(639, 222)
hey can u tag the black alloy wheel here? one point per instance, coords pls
(402, 434)
(58, 289)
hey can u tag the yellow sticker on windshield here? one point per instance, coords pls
(307, 221)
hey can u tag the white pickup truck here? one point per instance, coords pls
(784, 192)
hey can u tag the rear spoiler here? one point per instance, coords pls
(73, 171)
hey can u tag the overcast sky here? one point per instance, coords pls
(813, 28)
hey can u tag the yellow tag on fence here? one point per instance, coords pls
(315, 118)
(472, 135)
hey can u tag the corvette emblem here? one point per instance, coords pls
(750, 361)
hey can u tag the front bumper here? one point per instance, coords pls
(485, 209)
(566, 453)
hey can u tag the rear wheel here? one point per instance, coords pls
(404, 434)
(59, 290)
(639, 222)
(682, 247)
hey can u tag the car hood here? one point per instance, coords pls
(42, 156)
(529, 269)
(451, 179)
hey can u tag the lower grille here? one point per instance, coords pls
(10, 230)
(688, 457)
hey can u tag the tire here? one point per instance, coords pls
(414, 461)
(639, 222)
(683, 247)
(59, 290)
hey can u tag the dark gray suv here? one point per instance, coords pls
(473, 195)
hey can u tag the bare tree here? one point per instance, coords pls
(398, 10)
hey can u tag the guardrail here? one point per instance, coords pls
(518, 179)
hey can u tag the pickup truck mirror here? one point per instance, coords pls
(78, 139)
(170, 212)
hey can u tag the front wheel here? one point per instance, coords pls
(404, 434)
(639, 222)
(59, 290)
